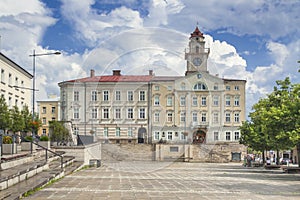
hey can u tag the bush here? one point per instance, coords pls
(44, 138)
(7, 140)
(28, 139)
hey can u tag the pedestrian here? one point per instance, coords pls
(268, 161)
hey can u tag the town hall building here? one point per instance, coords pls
(194, 108)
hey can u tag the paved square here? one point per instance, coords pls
(162, 180)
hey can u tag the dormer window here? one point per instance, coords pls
(200, 86)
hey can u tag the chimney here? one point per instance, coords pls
(92, 73)
(151, 72)
(117, 72)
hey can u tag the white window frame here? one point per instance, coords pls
(142, 95)
(130, 95)
(105, 95)
(118, 95)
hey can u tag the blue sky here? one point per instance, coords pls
(253, 40)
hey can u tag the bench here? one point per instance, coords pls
(292, 170)
(272, 166)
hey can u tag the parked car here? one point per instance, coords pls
(284, 161)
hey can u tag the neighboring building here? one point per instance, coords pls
(49, 110)
(195, 108)
(15, 83)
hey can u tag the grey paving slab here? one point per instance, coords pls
(157, 180)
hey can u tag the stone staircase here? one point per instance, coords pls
(127, 152)
(24, 172)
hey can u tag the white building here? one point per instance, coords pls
(14, 81)
(197, 107)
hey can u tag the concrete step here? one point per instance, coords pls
(54, 171)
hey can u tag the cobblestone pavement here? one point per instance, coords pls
(160, 180)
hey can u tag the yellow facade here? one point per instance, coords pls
(48, 110)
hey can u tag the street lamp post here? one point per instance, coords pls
(33, 83)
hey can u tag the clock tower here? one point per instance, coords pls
(196, 55)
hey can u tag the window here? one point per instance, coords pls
(182, 86)
(44, 121)
(227, 87)
(142, 113)
(203, 101)
(105, 132)
(237, 101)
(94, 96)
(236, 87)
(130, 113)
(53, 118)
(200, 86)
(44, 132)
(195, 101)
(236, 117)
(44, 110)
(129, 132)
(216, 100)
(216, 87)
(216, 117)
(9, 79)
(227, 117)
(216, 136)
(156, 117)
(118, 132)
(9, 102)
(156, 87)
(156, 100)
(94, 113)
(182, 116)
(227, 100)
(228, 136)
(142, 96)
(170, 87)
(203, 117)
(76, 130)
(195, 116)
(156, 135)
(197, 49)
(16, 81)
(76, 95)
(76, 113)
(2, 76)
(170, 134)
(169, 101)
(105, 95)
(182, 136)
(118, 96)
(53, 109)
(130, 95)
(182, 101)
(105, 113)
(169, 117)
(236, 135)
(117, 113)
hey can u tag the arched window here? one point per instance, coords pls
(200, 86)
(197, 49)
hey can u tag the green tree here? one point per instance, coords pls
(4, 115)
(26, 115)
(17, 122)
(58, 132)
(275, 120)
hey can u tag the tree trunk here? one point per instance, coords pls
(263, 155)
(277, 157)
(298, 154)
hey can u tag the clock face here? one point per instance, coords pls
(197, 61)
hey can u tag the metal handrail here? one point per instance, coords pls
(33, 142)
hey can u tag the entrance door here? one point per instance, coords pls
(141, 135)
(199, 137)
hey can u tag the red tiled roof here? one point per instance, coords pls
(114, 78)
(197, 33)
